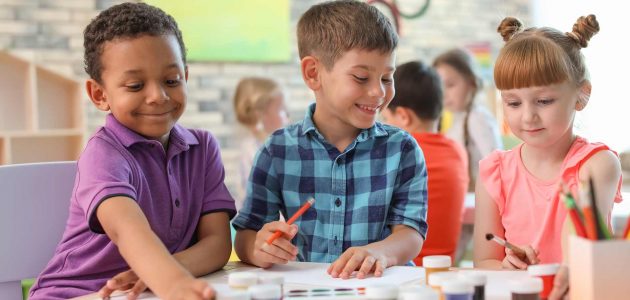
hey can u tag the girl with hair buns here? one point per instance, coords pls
(543, 81)
(259, 107)
(473, 127)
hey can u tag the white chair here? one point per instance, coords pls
(34, 201)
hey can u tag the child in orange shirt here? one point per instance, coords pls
(416, 108)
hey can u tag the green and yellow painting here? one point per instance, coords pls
(238, 31)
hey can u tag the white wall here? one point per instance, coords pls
(607, 116)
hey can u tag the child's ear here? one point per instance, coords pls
(583, 95)
(97, 94)
(186, 73)
(311, 67)
(403, 115)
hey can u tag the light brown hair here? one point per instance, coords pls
(252, 96)
(330, 29)
(542, 56)
(463, 62)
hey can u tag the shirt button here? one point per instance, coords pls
(338, 202)
(177, 202)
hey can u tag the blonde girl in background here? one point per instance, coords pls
(543, 82)
(473, 126)
(260, 108)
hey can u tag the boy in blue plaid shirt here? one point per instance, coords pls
(369, 180)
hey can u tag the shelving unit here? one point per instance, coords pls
(41, 116)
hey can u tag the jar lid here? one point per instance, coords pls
(436, 261)
(529, 285)
(271, 279)
(474, 278)
(543, 270)
(457, 286)
(242, 279)
(232, 295)
(418, 292)
(436, 279)
(265, 291)
(381, 292)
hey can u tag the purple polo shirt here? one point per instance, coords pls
(174, 189)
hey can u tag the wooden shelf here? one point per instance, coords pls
(2, 152)
(41, 117)
(15, 93)
(58, 101)
(45, 148)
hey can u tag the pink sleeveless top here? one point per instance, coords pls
(530, 212)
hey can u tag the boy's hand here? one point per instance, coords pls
(124, 281)
(514, 261)
(360, 259)
(190, 288)
(281, 250)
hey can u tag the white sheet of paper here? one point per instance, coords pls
(315, 274)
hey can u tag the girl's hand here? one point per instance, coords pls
(560, 284)
(361, 259)
(514, 261)
(125, 281)
(190, 288)
(281, 251)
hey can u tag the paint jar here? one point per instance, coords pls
(547, 273)
(242, 280)
(272, 279)
(457, 289)
(478, 281)
(381, 292)
(265, 292)
(232, 295)
(526, 289)
(435, 263)
(437, 279)
(417, 292)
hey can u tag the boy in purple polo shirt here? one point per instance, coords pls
(149, 207)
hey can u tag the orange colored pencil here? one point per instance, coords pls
(297, 214)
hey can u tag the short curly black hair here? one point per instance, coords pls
(126, 20)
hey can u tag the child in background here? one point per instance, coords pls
(543, 82)
(259, 106)
(416, 108)
(149, 207)
(368, 179)
(473, 126)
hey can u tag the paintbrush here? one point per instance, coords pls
(518, 251)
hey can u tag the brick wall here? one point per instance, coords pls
(51, 31)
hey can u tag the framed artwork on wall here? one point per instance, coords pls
(237, 31)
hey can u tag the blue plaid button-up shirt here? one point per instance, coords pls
(378, 181)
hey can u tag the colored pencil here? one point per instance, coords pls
(297, 214)
(602, 229)
(574, 215)
(626, 233)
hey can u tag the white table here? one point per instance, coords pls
(497, 287)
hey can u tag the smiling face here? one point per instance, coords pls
(143, 84)
(357, 87)
(541, 116)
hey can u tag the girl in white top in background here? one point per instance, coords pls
(259, 106)
(473, 126)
